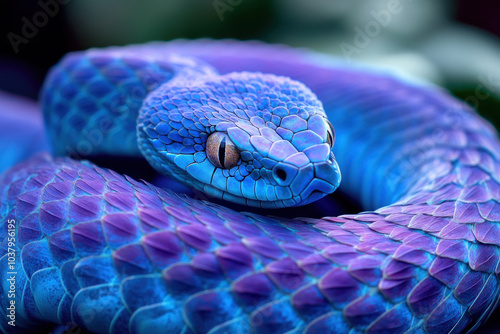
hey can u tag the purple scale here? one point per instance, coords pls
(421, 197)
(487, 233)
(39, 180)
(426, 296)
(470, 157)
(366, 269)
(222, 234)
(469, 176)
(444, 317)
(36, 256)
(264, 246)
(29, 229)
(370, 242)
(180, 213)
(163, 248)
(196, 236)
(27, 203)
(469, 287)
(84, 208)
(398, 320)
(138, 184)
(153, 219)
(421, 241)
(88, 238)
(453, 249)
(296, 250)
(207, 310)
(315, 265)
(67, 174)
(89, 187)
(396, 290)
(253, 290)
(148, 200)
(456, 231)
(340, 288)
(362, 312)
(340, 254)
(390, 209)
(14, 189)
(239, 219)
(475, 194)
(400, 233)
(235, 260)
(132, 260)
(121, 201)
(397, 270)
(277, 317)
(487, 162)
(446, 180)
(324, 226)
(370, 217)
(120, 229)
(120, 187)
(333, 322)
(313, 239)
(206, 265)
(428, 223)
(416, 209)
(490, 211)
(56, 191)
(357, 228)
(447, 271)
(52, 216)
(483, 258)
(412, 255)
(344, 237)
(493, 188)
(486, 298)
(382, 227)
(277, 230)
(446, 209)
(310, 302)
(61, 246)
(207, 218)
(286, 274)
(448, 193)
(181, 280)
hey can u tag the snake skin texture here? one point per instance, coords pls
(116, 255)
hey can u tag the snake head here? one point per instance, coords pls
(249, 138)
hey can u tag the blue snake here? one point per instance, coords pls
(258, 125)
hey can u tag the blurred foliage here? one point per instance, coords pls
(488, 108)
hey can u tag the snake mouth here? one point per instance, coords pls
(277, 204)
(315, 182)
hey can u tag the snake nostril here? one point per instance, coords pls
(280, 174)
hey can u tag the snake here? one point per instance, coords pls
(265, 126)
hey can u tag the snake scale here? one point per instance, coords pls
(246, 122)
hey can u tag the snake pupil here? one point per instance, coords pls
(222, 152)
(330, 134)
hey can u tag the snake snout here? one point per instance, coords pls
(309, 182)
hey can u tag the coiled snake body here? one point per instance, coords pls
(115, 255)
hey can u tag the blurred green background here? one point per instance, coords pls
(453, 43)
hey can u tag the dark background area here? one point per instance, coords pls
(77, 25)
(22, 72)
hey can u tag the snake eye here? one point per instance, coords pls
(221, 151)
(330, 134)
